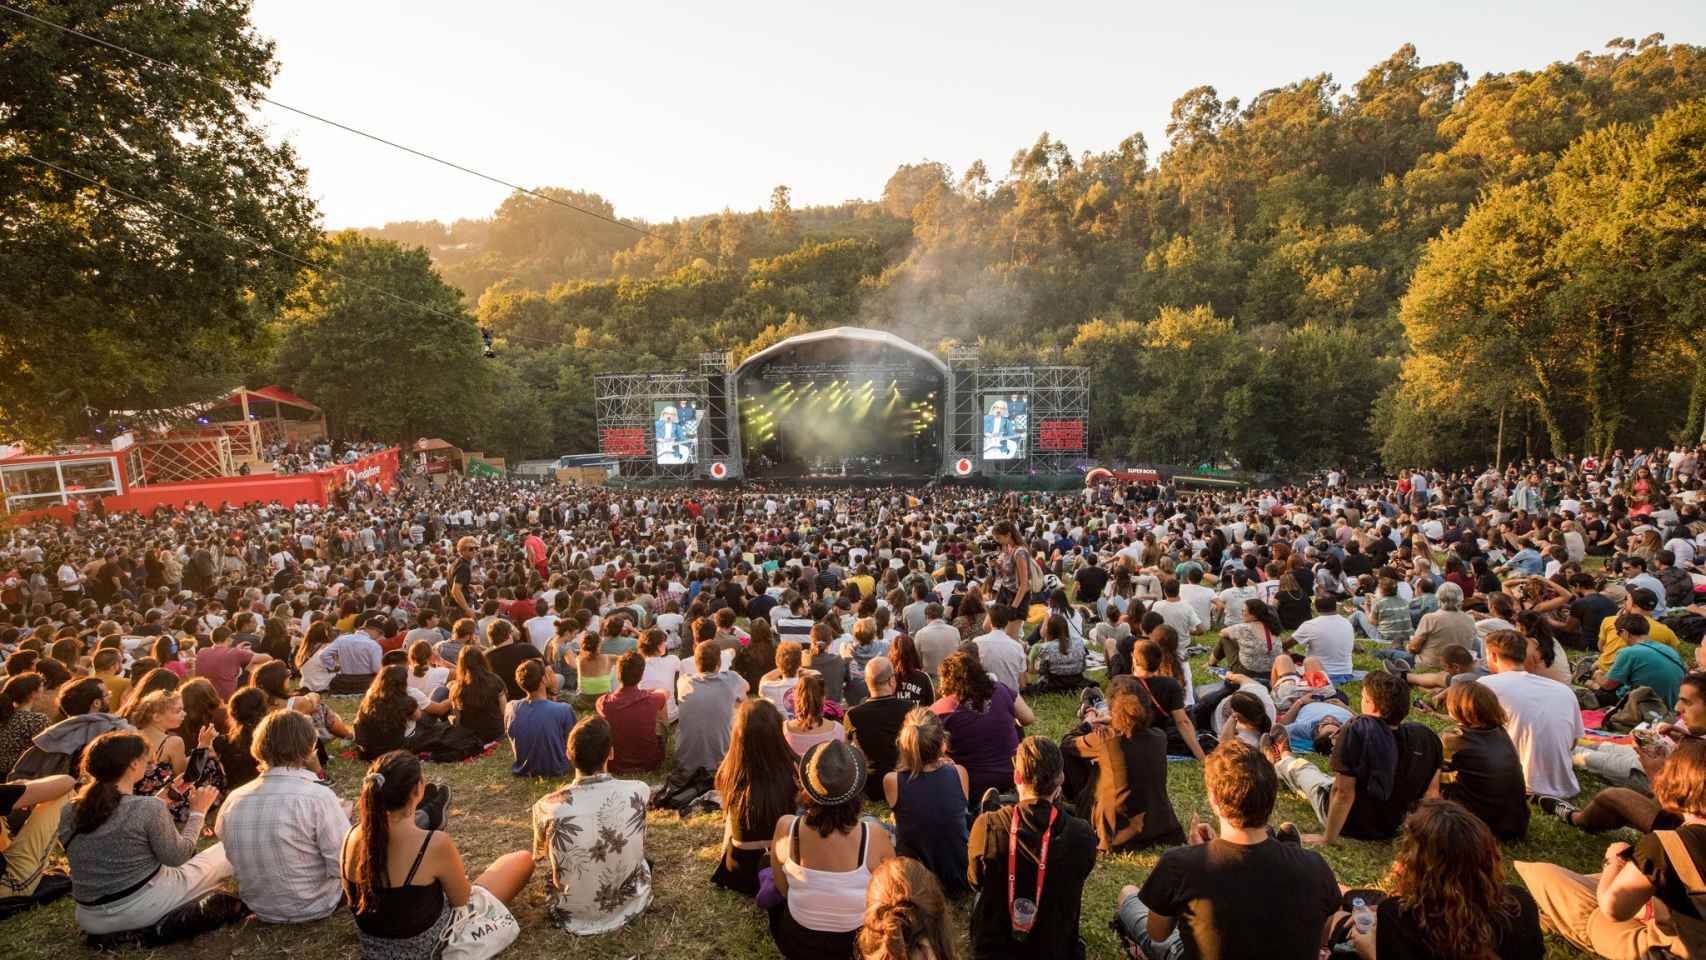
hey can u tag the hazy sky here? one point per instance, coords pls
(674, 110)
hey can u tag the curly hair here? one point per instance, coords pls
(1449, 876)
(964, 679)
(905, 914)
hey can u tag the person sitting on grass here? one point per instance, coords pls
(24, 855)
(1541, 715)
(756, 783)
(1237, 891)
(130, 864)
(538, 727)
(637, 718)
(1167, 699)
(1641, 662)
(1616, 807)
(402, 881)
(1381, 766)
(1646, 896)
(928, 793)
(283, 831)
(1127, 797)
(906, 915)
(1040, 829)
(591, 837)
(1446, 895)
(1481, 769)
(822, 860)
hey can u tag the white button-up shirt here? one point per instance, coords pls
(284, 834)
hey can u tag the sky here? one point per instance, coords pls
(673, 110)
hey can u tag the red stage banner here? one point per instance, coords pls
(378, 469)
(622, 441)
(1060, 435)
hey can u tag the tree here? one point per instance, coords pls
(107, 300)
(782, 223)
(380, 367)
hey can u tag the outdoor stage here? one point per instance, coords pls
(846, 404)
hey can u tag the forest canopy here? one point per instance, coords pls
(1318, 275)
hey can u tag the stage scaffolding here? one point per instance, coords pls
(1057, 402)
(623, 401)
(1055, 395)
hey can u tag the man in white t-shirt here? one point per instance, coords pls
(1000, 651)
(1178, 614)
(1329, 637)
(1541, 715)
(541, 629)
(1200, 598)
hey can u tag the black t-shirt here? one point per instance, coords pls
(10, 794)
(1357, 564)
(1482, 771)
(1268, 899)
(758, 607)
(1419, 757)
(1166, 696)
(1651, 859)
(503, 661)
(1591, 610)
(1397, 936)
(1091, 582)
(915, 685)
(1071, 856)
(463, 573)
(874, 726)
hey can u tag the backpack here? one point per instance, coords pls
(681, 788)
(447, 743)
(1637, 707)
(1691, 931)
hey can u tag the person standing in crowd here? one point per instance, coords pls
(1045, 854)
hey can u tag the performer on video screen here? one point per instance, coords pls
(998, 428)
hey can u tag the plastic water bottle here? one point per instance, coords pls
(1362, 916)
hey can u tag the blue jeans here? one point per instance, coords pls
(1133, 918)
(1404, 657)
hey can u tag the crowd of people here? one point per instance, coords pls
(851, 679)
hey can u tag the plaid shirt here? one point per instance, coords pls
(284, 834)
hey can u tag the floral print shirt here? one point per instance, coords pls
(591, 834)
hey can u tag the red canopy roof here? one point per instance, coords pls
(274, 393)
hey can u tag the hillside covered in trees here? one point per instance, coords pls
(1387, 269)
(1274, 288)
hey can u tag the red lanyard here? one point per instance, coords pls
(1013, 864)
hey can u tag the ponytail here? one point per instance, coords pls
(389, 784)
(105, 760)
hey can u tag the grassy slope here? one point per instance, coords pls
(692, 918)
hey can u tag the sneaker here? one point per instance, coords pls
(1395, 667)
(991, 801)
(1556, 807)
(1275, 744)
(434, 808)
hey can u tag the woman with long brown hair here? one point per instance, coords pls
(401, 880)
(1446, 895)
(387, 715)
(756, 782)
(478, 694)
(906, 915)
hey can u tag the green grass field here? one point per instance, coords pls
(689, 917)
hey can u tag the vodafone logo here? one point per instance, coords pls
(962, 466)
(719, 470)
